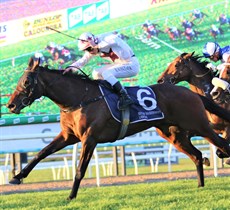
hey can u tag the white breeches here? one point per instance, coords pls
(111, 72)
(219, 83)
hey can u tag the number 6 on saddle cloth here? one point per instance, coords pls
(144, 107)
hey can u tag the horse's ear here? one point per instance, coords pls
(31, 62)
(183, 54)
(192, 53)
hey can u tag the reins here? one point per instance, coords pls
(190, 68)
(87, 102)
(202, 75)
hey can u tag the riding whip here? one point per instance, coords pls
(47, 27)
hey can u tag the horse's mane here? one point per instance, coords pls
(76, 75)
(197, 59)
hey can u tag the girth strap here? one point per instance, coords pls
(125, 119)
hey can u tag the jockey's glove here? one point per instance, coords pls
(211, 66)
(220, 67)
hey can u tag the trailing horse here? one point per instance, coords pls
(86, 118)
(188, 67)
(221, 92)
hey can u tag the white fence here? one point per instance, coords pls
(33, 142)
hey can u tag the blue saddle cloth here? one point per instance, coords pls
(144, 108)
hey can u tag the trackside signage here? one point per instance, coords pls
(27, 138)
(88, 14)
(26, 134)
(32, 27)
(27, 120)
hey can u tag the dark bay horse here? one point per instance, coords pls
(86, 118)
(189, 67)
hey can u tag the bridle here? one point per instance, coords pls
(26, 101)
(191, 69)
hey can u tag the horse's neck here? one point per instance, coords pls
(63, 90)
(195, 89)
(201, 83)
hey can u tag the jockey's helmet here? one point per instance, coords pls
(38, 55)
(86, 40)
(52, 45)
(210, 48)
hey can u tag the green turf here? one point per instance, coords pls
(171, 195)
(153, 61)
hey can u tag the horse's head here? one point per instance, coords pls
(177, 71)
(187, 67)
(27, 89)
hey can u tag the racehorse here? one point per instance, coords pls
(216, 31)
(191, 34)
(188, 67)
(151, 30)
(86, 118)
(61, 54)
(221, 93)
(224, 19)
(198, 15)
(173, 33)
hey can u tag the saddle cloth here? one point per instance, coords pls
(144, 107)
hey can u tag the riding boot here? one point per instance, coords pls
(125, 99)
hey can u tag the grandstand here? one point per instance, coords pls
(154, 54)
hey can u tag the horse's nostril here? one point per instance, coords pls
(10, 106)
(160, 81)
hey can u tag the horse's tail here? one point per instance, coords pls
(213, 108)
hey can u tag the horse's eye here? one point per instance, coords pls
(27, 83)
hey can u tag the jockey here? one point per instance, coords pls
(215, 29)
(187, 24)
(197, 14)
(214, 52)
(111, 47)
(39, 56)
(189, 34)
(223, 19)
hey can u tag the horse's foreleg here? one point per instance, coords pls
(88, 147)
(226, 135)
(58, 143)
(195, 155)
(222, 145)
(180, 140)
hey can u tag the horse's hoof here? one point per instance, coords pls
(227, 161)
(206, 161)
(15, 181)
(199, 186)
(70, 198)
(220, 154)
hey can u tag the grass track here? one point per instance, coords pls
(180, 194)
